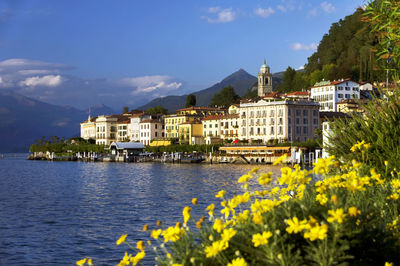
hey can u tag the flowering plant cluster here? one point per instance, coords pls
(335, 213)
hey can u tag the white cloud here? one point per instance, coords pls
(312, 12)
(281, 8)
(299, 46)
(264, 12)
(28, 72)
(46, 81)
(220, 15)
(300, 67)
(328, 7)
(149, 84)
(19, 63)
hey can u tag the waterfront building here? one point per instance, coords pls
(184, 115)
(278, 120)
(88, 128)
(229, 126)
(151, 129)
(134, 127)
(264, 80)
(329, 93)
(122, 128)
(106, 129)
(190, 132)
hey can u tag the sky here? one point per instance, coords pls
(127, 52)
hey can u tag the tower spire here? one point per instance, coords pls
(265, 62)
(89, 115)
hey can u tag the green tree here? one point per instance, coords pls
(190, 100)
(157, 110)
(225, 97)
(288, 80)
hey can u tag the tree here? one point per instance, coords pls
(190, 100)
(157, 110)
(287, 80)
(125, 109)
(225, 97)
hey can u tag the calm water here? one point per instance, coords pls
(54, 213)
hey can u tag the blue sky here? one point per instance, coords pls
(129, 51)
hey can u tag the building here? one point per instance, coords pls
(279, 120)
(264, 80)
(106, 129)
(191, 132)
(329, 93)
(151, 129)
(88, 128)
(185, 115)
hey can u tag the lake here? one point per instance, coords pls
(54, 213)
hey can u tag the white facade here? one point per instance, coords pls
(134, 128)
(122, 131)
(150, 129)
(211, 126)
(278, 120)
(106, 130)
(88, 129)
(328, 93)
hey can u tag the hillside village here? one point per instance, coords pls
(272, 117)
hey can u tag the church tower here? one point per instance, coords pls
(264, 80)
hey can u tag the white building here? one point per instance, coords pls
(366, 86)
(88, 128)
(329, 93)
(280, 120)
(151, 129)
(134, 127)
(106, 129)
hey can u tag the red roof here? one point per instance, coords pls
(212, 117)
(201, 108)
(299, 93)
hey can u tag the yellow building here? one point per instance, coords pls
(200, 111)
(191, 133)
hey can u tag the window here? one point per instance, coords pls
(315, 121)
(305, 112)
(305, 121)
(210, 125)
(340, 96)
(298, 112)
(297, 121)
(280, 131)
(205, 126)
(347, 96)
(272, 131)
(155, 127)
(216, 125)
(156, 134)
(315, 112)
(305, 130)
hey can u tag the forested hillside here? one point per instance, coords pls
(346, 51)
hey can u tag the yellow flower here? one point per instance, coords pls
(125, 259)
(238, 262)
(295, 225)
(218, 225)
(321, 198)
(186, 214)
(221, 194)
(336, 215)
(145, 228)
(177, 264)
(280, 159)
(81, 262)
(155, 233)
(357, 146)
(158, 223)
(353, 211)
(210, 209)
(317, 232)
(265, 178)
(322, 166)
(388, 263)
(257, 218)
(173, 233)
(227, 234)
(386, 163)
(254, 170)
(244, 178)
(334, 199)
(121, 240)
(395, 183)
(261, 239)
(194, 201)
(394, 196)
(215, 248)
(90, 262)
(140, 245)
(200, 222)
(135, 260)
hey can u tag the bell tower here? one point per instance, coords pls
(264, 80)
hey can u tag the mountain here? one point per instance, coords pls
(99, 109)
(240, 80)
(25, 120)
